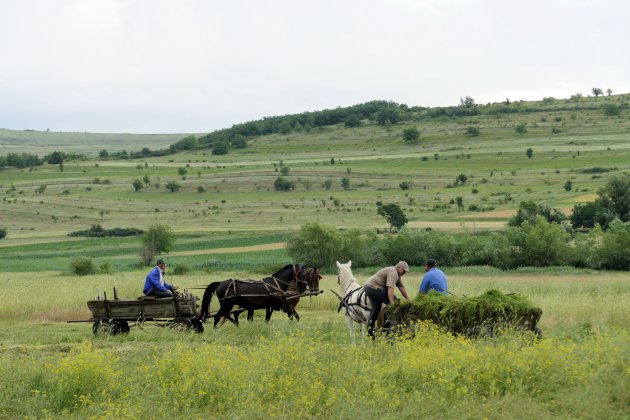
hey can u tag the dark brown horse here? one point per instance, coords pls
(269, 293)
(312, 277)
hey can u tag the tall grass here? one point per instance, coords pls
(305, 371)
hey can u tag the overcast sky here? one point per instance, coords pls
(157, 66)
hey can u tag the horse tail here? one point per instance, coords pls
(207, 297)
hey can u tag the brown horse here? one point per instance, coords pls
(312, 277)
(269, 293)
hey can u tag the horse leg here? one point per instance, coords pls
(268, 312)
(350, 324)
(362, 328)
(224, 314)
(250, 315)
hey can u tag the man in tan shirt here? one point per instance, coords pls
(380, 289)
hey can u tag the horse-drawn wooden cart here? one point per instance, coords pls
(117, 316)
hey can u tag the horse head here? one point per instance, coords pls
(344, 275)
(312, 277)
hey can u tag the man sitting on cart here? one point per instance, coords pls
(154, 285)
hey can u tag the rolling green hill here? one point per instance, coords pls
(233, 195)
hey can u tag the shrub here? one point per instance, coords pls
(283, 184)
(82, 266)
(613, 253)
(472, 131)
(315, 244)
(181, 268)
(105, 268)
(612, 110)
(411, 135)
(521, 129)
(3, 232)
(539, 243)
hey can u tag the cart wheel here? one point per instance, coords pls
(121, 327)
(197, 325)
(104, 327)
(181, 324)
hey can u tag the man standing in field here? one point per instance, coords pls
(380, 289)
(154, 285)
(434, 279)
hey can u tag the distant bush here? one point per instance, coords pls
(105, 268)
(612, 110)
(3, 232)
(521, 129)
(82, 266)
(472, 131)
(283, 184)
(97, 231)
(181, 269)
(597, 170)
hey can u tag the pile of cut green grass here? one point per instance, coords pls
(467, 315)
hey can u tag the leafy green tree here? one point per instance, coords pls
(460, 202)
(530, 152)
(615, 197)
(393, 214)
(284, 170)
(411, 135)
(173, 186)
(3, 232)
(137, 185)
(568, 186)
(284, 127)
(586, 215)
(467, 102)
(345, 183)
(220, 148)
(182, 171)
(352, 120)
(327, 184)
(609, 91)
(538, 243)
(387, 115)
(528, 211)
(597, 91)
(405, 185)
(315, 245)
(461, 179)
(239, 142)
(146, 180)
(283, 184)
(613, 253)
(103, 154)
(159, 238)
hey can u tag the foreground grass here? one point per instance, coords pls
(289, 370)
(308, 369)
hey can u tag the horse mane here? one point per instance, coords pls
(286, 267)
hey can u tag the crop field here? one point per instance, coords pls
(310, 369)
(230, 222)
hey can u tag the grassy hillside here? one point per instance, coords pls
(90, 144)
(233, 195)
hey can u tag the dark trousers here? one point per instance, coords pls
(378, 297)
(159, 294)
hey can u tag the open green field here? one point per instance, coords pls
(233, 194)
(231, 223)
(309, 369)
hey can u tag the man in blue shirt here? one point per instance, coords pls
(434, 279)
(154, 285)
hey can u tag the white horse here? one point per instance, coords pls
(355, 302)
